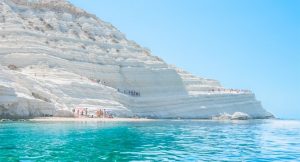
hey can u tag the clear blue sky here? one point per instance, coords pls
(248, 44)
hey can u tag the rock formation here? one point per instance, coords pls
(55, 57)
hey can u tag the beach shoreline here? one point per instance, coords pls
(60, 119)
(85, 119)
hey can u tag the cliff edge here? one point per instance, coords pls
(56, 58)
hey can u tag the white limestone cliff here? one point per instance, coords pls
(55, 57)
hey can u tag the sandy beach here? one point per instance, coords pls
(58, 119)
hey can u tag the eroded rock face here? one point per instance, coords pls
(55, 57)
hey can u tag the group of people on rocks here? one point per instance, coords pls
(80, 112)
(127, 92)
(102, 113)
(230, 90)
(97, 81)
(83, 112)
(130, 92)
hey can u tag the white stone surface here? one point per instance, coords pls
(240, 116)
(234, 116)
(67, 58)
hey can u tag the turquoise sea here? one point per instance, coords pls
(166, 140)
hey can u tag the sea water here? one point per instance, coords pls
(165, 140)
